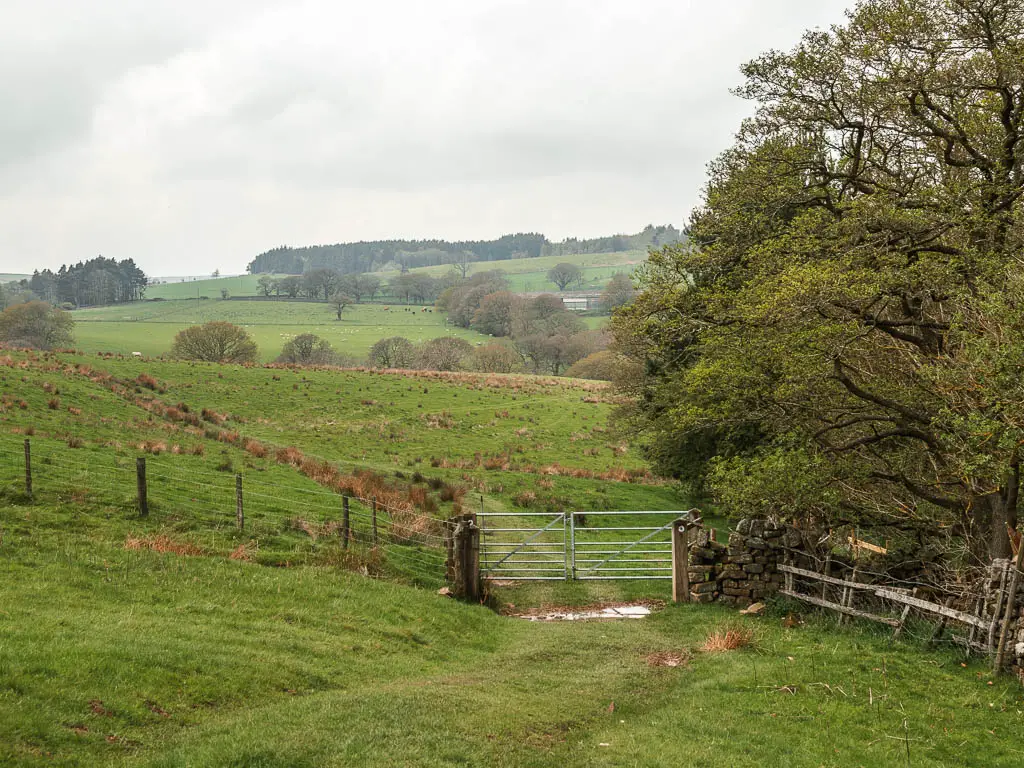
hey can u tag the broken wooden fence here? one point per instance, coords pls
(981, 621)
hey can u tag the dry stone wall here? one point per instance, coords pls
(745, 569)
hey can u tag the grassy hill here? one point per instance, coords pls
(530, 275)
(150, 327)
(243, 285)
(177, 640)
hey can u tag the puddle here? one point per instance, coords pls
(611, 612)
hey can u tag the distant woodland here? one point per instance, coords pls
(371, 256)
(90, 283)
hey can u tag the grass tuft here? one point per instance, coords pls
(728, 639)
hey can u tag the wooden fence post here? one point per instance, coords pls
(847, 599)
(344, 522)
(903, 618)
(941, 626)
(140, 477)
(827, 571)
(28, 467)
(997, 608)
(680, 562)
(239, 514)
(1010, 615)
(373, 510)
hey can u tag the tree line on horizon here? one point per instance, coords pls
(377, 255)
(329, 285)
(95, 282)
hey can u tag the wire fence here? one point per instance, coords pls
(256, 510)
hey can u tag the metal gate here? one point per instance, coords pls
(543, 546)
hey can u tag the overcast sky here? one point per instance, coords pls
(193, 135)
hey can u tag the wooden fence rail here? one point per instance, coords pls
(987, 619)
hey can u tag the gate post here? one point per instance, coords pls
(681, 561)
(471, 562)
(464, 559)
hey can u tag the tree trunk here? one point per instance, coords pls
(999, 542)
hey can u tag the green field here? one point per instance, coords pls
(525, 275)
(530, 275)
(244, 285)
(177, 640)
(150, 327)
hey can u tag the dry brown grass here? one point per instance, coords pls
(256, 448)
(526, 499)
(316, 530)
(290, 455)
(163, 544)
(669, 659)
(213, 417)
(244, 552)
(728, 639)
(441, 420)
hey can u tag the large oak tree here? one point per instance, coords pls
(844, 339)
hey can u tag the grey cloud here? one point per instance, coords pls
(219, 129)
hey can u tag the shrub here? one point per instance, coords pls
(393, 352)
(445, 353)
(216, 342)
(600, 366)
(54, 404)
(36, 324)
(307, 349)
